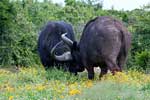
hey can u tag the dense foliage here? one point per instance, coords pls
(22, 20)
(6, 36)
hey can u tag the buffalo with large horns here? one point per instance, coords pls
(48, 38)
(105, 42)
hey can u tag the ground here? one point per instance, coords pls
(36, 84)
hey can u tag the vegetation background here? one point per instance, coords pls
(22, 20)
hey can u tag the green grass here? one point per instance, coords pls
(37, 84)
(108, 90)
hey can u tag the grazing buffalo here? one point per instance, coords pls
(105, 42)
(49, 37)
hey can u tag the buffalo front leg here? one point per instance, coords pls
(90, 72)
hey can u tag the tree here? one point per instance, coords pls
(6, 39)
(70, 2)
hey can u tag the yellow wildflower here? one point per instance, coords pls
(73, 85)
(89, 84)
(40, 87)
(121, 77)
(28, 87)
(9, 89)
(61, 96)
(11, 98)
(74, 91)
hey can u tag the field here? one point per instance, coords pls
(37, 84)
(21, 22)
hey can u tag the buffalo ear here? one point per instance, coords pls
(75, 46)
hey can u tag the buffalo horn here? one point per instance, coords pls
(66, 39)
(64, 57)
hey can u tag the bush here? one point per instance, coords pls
(142, 59)
(6, 38)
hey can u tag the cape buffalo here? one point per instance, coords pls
(105, 42)
(49, 37)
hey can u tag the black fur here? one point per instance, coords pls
(49, 36)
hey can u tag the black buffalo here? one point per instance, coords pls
(105, 42)
(49, 37)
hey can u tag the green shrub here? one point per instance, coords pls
(6, 38)
(142, 59)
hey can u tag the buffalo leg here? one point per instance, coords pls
(73, 70)
(104, 71)
(90, 72)
(112, 66)
(121, 61)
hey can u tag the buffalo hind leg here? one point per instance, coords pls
(104, 71)
(112, 66)
(121, 61)
(90, 72)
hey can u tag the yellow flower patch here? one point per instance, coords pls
(74, 92)
(11, 98)
(40, 87)
(89, 84)
(57, 88)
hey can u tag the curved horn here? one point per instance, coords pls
(66, 39)
(52, 51)
(64, 57)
